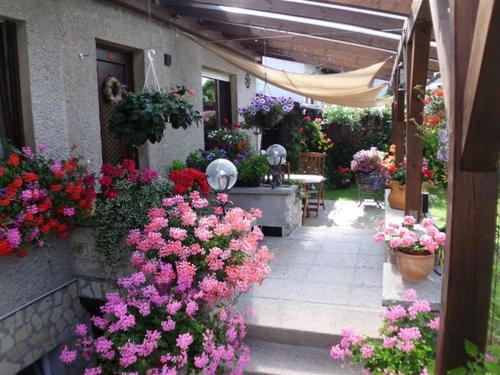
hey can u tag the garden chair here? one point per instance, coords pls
(313, 163)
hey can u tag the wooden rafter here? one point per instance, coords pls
(215, 15)
(190, 25)
(482, 93)
(401, 7)
(373, 21)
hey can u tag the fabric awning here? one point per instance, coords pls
(351, 89)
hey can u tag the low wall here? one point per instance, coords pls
(281, 208)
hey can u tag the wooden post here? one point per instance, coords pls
(418, 49)
(398, 119)
(472, 203)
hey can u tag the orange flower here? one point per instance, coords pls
(427, 100)
(439, 93)
(13, 160)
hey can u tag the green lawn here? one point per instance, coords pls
(350, 194)
(438, 200)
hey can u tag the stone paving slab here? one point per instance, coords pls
(278, 359)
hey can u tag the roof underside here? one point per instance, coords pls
(336, 36)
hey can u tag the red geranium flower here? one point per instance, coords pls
(30, 177)
(13, 160)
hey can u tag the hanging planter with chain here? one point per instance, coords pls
(143, 116)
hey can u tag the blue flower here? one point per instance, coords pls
(210, 156)
(3, 192)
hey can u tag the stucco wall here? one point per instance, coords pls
(63, 88)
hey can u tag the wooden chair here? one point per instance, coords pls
(313, 163)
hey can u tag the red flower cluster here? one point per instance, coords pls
(344, 170)
(189, 179)
(126, 171)
(39, 196)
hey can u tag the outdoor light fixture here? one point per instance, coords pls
(402, 77)
(276, 157)
(221, 177)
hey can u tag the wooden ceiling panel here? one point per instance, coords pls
(285, 25)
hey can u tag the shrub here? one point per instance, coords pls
(252, 170)
(126, 196)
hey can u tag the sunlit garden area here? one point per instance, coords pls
(276, 187)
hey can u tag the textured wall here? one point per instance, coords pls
(30, 333)
(23, 279)
(63, 88)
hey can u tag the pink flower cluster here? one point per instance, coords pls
(176, 310)
(406, 331)
(406, 239)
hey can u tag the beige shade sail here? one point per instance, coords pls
(351, 89)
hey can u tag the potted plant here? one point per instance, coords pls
(343, 177)
(415, 250)
(397, 184)
(266, 111)
(142, 116)
(366, 166)
(252, 170)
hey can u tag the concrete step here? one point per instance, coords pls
(306, 324)
(269, 358)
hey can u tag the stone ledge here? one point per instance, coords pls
(394, 287)
(265, 190)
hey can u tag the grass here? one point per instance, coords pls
(350, 194)
(438, 206)
(438, 200)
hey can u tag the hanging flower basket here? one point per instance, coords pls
(264, 111)
(142, 116)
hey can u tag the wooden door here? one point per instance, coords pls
(112, 62)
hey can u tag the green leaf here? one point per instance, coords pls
(492, 367)
(471, 348)
(458, 371)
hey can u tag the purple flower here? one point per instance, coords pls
(28, 152)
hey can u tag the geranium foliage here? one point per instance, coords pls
(176, 311)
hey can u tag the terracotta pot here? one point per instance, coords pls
(415, 268)
(396, 197)
(427, 185)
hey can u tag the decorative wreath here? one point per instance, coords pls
(112, 90)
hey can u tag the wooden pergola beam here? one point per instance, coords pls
(401, 7)
(162, 14)
(317, 12)
(482, 93)
(472, 198)
(416, 72)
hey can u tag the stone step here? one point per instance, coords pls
(269, 358)
(306, 324)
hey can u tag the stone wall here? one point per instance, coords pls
(35, 330)
(60, 101)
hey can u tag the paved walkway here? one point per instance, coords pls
(330, 260)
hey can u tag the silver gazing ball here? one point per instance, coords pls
(221, 175)
(276, 154)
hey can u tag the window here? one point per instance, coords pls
(217, 109)
(10, 101)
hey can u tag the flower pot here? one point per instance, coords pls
(371, 180)
(427, 185)
(397, 195)
(414, 268)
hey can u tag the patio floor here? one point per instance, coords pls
(325, 276)
(330, 260)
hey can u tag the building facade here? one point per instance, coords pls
(54, 55)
